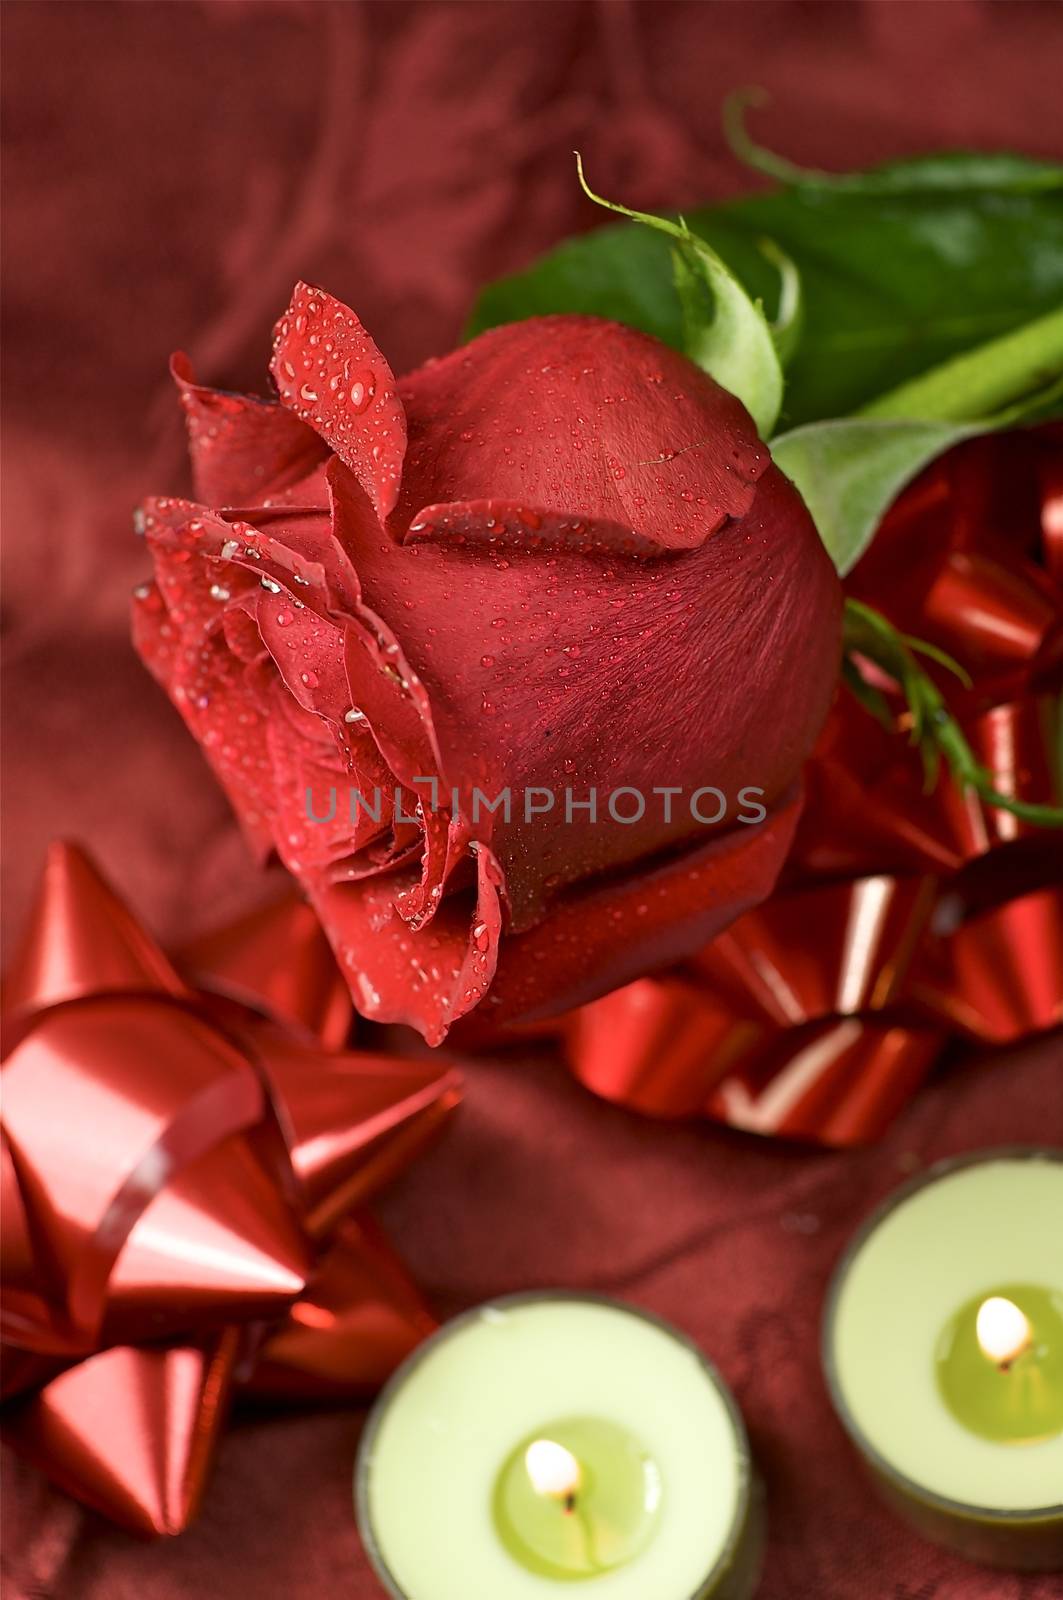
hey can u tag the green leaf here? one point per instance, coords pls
(850, 469)
(901, 269)
(724, 332)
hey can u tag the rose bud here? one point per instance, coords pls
(557, 563)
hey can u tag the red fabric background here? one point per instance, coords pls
(171, 168)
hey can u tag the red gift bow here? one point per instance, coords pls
(903, 918)
(181, 1157)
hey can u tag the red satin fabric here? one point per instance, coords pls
(163, 157)
(178, 1170)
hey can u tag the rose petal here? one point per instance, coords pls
(547, 682)
(183, 628)
(330, 374)
(312, 783)
(423, 977)
(501, 525)
(600, 936)
(223, 703)
(242, 448)
(582, 418)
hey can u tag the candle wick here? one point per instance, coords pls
(570, 1502)
(1016, 1355)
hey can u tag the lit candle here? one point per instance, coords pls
(545, 1440)
(943, 1347)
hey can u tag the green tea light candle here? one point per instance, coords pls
(943, 1348)
(555, 1444)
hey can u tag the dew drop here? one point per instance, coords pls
(363, 388)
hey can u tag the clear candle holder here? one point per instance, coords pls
(943, 1354)
(549, 1438)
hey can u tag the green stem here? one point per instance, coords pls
(971, 775)
(934, 728)
(755, 155)
(981, 381)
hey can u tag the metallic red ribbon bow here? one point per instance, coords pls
(902, 917)
(181, 1158)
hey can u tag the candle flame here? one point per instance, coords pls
(1003, 1330)
(553, 1470)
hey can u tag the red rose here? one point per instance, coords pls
(559, 559)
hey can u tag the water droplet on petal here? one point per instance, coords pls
(363, 388)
